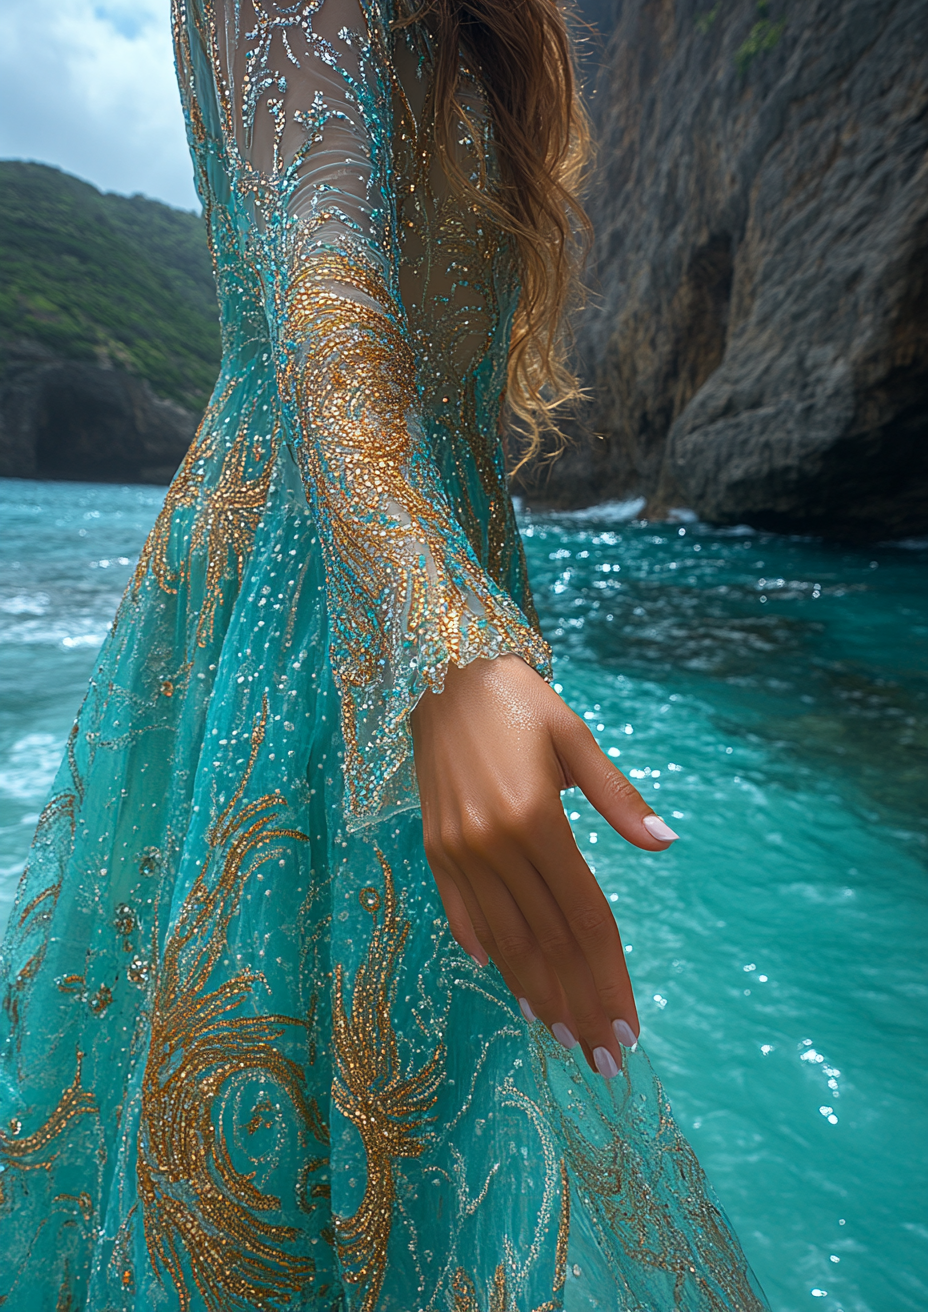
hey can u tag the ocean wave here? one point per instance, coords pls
(27, 772)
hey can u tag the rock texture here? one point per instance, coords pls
(66, 419)
(758, 349)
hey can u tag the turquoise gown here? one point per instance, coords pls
(244, 1064)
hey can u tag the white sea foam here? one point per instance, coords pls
(29, 767)
(907, 544)
(607, 512)
(83, 640)
(29, 631)
(26, 603)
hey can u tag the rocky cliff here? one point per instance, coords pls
(67, 419)
(757, 348)
(109, 335)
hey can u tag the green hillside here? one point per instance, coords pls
(92, 275)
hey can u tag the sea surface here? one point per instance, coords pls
(769, 696)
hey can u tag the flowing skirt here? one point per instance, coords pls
(244, 1064)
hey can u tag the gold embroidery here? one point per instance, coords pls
(465, 1293)
(30, 1153)
(623, 1201)
(387, 1108)
(75, 773)
(61, 805)
(563, 1233)
(38, 911)
(52, 891)
(225, 521)
(397, 593)
(83, 1200)
(196, 1203)
(183, 493)
(65, 1301)
(99, 1001)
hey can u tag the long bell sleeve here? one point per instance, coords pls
(305, 97)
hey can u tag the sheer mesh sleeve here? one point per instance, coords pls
(305, 97)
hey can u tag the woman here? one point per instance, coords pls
(246, 1064)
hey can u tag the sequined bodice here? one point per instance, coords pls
(380, 306)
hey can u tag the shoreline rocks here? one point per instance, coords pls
(66, 419)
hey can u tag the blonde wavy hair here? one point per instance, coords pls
(522, 55)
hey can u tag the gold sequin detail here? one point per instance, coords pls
(623, 1201)
(465, 1293)
(563, 1232)
(183, 493)
(83, 1200)
(31, 1152)
(387, 1107)
(199, 1211)
(223, 526)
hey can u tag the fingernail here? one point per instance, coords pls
(526, 1010)
(605, 1063)
(657, 829)
(477, 962)
(624, 1033)
(563, 1036)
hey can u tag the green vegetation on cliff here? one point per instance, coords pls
(105, 277)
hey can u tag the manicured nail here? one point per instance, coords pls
(657, 829)
(526, 1010)
(624, 1033)
(605, 1063)
(563, 1036)
(479, 964)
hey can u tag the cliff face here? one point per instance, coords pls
(66, 419)
(758, 349)
(109, 333)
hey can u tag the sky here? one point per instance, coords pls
(90, 88)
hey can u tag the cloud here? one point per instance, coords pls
(91, 88)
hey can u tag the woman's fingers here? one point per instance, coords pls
(589, 918)
(535, 937)
(456, 892)
(517, 951)
(521, 894)
(508, 938)
(488, 942)
(459, 921)
(576, 930)
(615, 798)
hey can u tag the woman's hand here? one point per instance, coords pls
(493, 752)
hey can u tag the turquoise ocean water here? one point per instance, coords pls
(769, 696)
